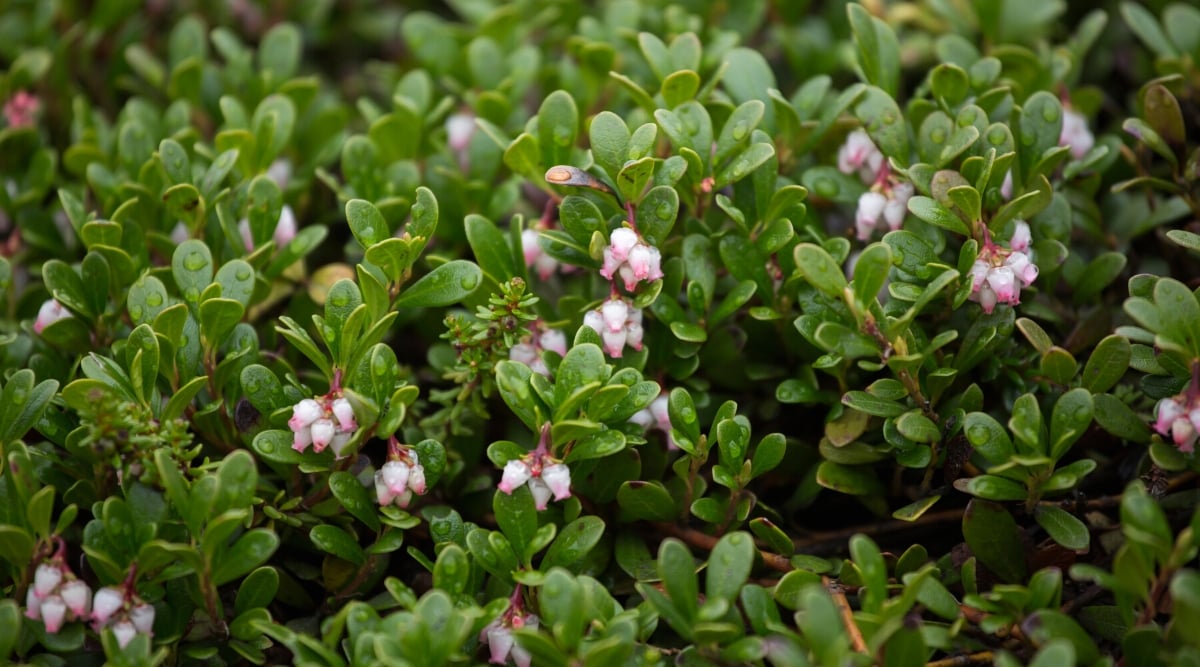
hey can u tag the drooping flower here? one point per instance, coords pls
(657, 416)
(535, 257)
(324, 421)
(618, 323)
(108, 601)
(498, 635)
(859, 154)
(529, 351)
(1075, 134)
(999, 274)
(1179, 418)
(50, 312)
(546, 477)
(56, 595)
(631, 258)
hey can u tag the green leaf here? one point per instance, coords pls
(366, 222)
(818, 267)
(335, 541)
(517, 518)
(558, 123)
(993, 536)
(878, 49)
(23, 404)
(16, 545)
(250, 550)
(192, 268)
(218, 317)
(849, 479)
(10, 627)
(354, 497)
(609, 137)
(1114, 416)
(257, 590)
(737, 129)
(1063, 527)
(574, 544)
(872, 405)
(935, 214)
(729, 565)
(648, 501)
(871, 272)
(992, 487)
(1145, 26)
(677, 569)
(448, 284)
(490, 248)
(656, 213)
(1047, 625)
(1071, 417)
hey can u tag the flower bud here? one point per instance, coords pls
(529, 246)
(125, 632)
(46, 579)
(339, 443)
(554, 340)
(285, 229)
(395, 476)
(50, 312)
(142, 617)
(1021, 237)
(322, 434)
(593, 320)
(614, 312)
(614, 342)
(558, 477)
(621, 242)
(33, 605)
(106, 603)
(54, 610)
(345, 414)
(1168, 411)
(516, 473)
(541, 493)
(633, 335)
(1003, 281)
(78, 597)
(302, 439)
(416, 477)
(523, 353)
(304, 414)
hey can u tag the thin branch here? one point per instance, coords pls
(980, 658)
(846, 612)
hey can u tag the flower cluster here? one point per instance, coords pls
(1179, 417)
(498, 635)
(545, 476)
(322, 421)
(117, 608)
(618, 323)
(21, 109)
(859, 154)
(530, 353)
(884, 203)
(656, 416)
(56, 596)
(535, 257)
(630, 257)
(400, 478)
(50, 312)
(999, 274)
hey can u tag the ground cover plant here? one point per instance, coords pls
(599, 333)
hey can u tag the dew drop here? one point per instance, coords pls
(996, 137)
(191, 293)
(194, 261)
(19, 396)
(135, 312)
(243, 274)
(267, 446)
(1049, 113)
(739, 131)
(688, 415)
(154, 299)
(938, 136)
(469, 281)
(562, 136)
(888, 118)
(251, 386)
(665, 211)
(966, 118)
